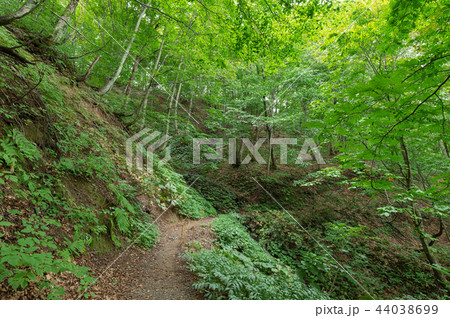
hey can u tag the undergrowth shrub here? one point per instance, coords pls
(353, 245)
(242, 269)
(280, 234)
(221, 198)
(30, 253)
(182, 154)
(47, 221)
(195, 206)
(171, 188)
(35, 254)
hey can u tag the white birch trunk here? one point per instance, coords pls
(59, 31)
(26, 9)
(109, 84)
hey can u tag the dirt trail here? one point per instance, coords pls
(159, 273)
(164, 272)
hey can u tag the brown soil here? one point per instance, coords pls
(166, 275)
(161, 273)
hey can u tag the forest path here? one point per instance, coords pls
(164, 273)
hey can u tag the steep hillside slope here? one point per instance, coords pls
(67, 197)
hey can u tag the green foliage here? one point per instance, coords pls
(315, 178)
(16, 148)
(36, 255)
(242, 269)
(221, 198)
(129, 220)
(172, 189)
(195, 206)
(282, 237)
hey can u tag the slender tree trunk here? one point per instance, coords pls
(426, 249)
(59, 31)
(175, 113)
(177, 99)
(172, 98)
(267, 114)
(444, 148)
(418, 220)
(25, 10)
(190, 111)
(85, 76)
(269, 159)
(142, 108)
(137, 61)
(236, 157)
(407, 163)
(109, 84)
(80, 22)
(302, 119)
(169, 110)
(240, 156)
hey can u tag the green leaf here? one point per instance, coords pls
(13, 260)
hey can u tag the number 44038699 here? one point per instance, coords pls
(408, 309)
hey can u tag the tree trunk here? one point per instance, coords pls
(25, 10)
(426, 249)
(418, 220)
(177, 100)
(137, 61)
(169, 110)
(407, 163)
(59, 31)
(189, 111)
(175, 113)
(85, 76)
(240, 154)
(109, 84)
(269, 159)
(172, 98)
(142, 108)
(444, 148)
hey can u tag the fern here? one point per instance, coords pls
(16, 149)
(25, 146)
(123, 223)
(10, 153)
(195, 206)
(242, 269)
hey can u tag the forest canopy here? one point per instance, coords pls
(366, 80)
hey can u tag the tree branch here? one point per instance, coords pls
(29, 91)
(75, 29)
(415, 109)
(88, 53)
(164, 14)
(428, 64)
